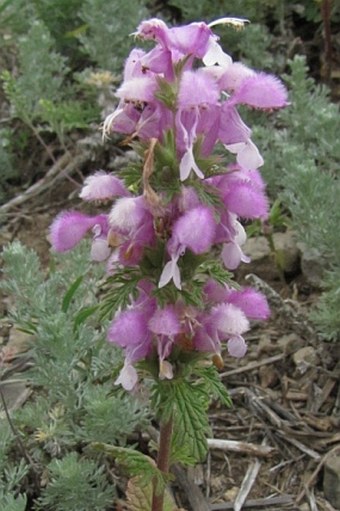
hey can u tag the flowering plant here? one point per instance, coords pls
(172, 234)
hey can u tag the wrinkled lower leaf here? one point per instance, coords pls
(139, 497)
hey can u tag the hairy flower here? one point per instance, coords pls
(70, 227)
(102, 186)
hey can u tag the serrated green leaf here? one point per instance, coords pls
(191, 420)
(139, 496)
(70, 293)
(215, 386)
(135, 462)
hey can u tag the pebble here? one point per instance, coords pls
(331, 480)
(304, 358)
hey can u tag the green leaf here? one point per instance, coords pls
(139, 496)
(120, 288)
(191, 420)
(136, 463)
(70, 293)
(214, 384)
(187, 403)
(83, 314)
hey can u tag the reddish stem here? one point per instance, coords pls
(163, 462)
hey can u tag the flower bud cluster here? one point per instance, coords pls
(179, 101)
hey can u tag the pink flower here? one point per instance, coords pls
(251, 302)
(70, 227)
(232, 253)
(187, 233)
(102, 186)
(192, 39)
(130, 328)
(228, 320)
(261, 91)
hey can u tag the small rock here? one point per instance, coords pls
(331, 480)
(311, 268)
(290, 343)
(266, 346)
(305, 358)
(257, 248)
(287, 253)
(268, 376)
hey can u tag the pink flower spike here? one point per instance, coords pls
(102, 186)
(69, 228)
(237, 346)
(262, 91)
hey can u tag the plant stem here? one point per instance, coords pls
(163, 462)
(326, 7)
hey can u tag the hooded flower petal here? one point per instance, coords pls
(128, 214)
(229, 320)
(251, 302)
(197, 88)
(70, 227)
(245, 200)
(235, 74)
(140, 89)
(262, 91)
(165, 322)
(102, 186)
(187, 230)
(129, 328)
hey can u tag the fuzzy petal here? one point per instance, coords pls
(229, 320)
(188, 229)
(102, 186)
(251, 302)
(69, 228)
(165, 322)
(129, 328)
(262, 91)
